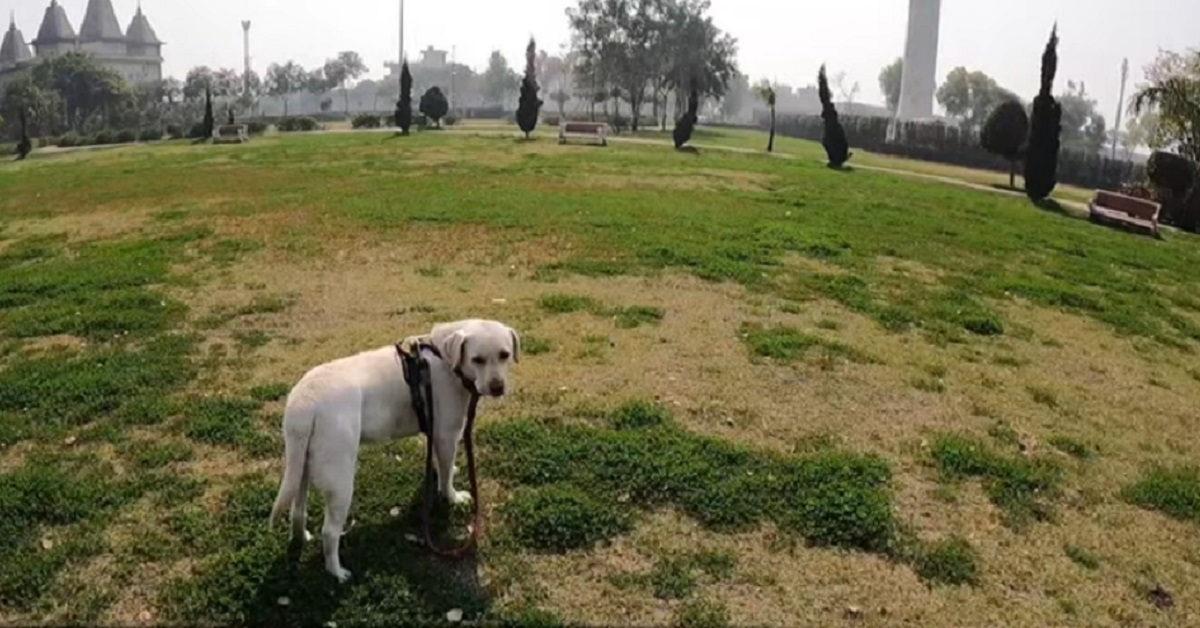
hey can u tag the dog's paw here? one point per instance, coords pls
(459, 497)
(341, 574)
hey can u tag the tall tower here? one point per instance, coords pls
(246, 55)
(920, 60)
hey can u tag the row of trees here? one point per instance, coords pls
(643, 51)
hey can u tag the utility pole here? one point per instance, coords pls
(453, 56)
(1120, 106)
(246, 56)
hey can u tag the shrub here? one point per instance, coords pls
(687, 122)
(196, 131)
(1171, 172)
(68, 140)
(365, 121)
(450, 120)
(256, 128)
(434, 104)
(550, 121)
(1041, 159)
(837, 148)
(103, 137)
(126, 136)
(300, 124)
(150, 135)
(175, 131)
(1005, 133)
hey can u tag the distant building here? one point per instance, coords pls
(432, 58)
(135, 52)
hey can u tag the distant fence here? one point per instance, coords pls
(948, 144)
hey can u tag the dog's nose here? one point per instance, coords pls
(496, 387)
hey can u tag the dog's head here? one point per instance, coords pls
(481, 351)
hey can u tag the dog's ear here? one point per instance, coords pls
(516, 345)
(452, 343)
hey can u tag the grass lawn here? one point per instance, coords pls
(757, 140)
(754, 390)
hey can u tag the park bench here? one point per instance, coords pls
(590, 129)
(1128, 212)
(231, 134)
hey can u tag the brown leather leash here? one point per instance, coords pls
(416, 375)
(431, 489)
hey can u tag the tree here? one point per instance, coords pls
(86, 89)
(1083, 128)
(210, 121)
(285, 80)
(24, 97)
(24, 147)
(561, 97)
(687, 123)
(498, 81)
(346, 67)
(1041, 158)
(971, 96)
(197, 82)
(1005, 133)
(834, 138)
(890, 79)
(735, 96)
(530, 105)
(849, 94)
(767, 94)
(404, 105)
(316, 82)
(434, 105)
(1172, 95)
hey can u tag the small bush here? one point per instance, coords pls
(562, 518)
(256, 128)
(450, 120)
(175, 131)
(196, 131)
(366, 121)
(949, 561)
(69, 140)
(103, 137)
(550, 120)
(301, 124)
(126, 136)
(150, 135)
(1175, 492)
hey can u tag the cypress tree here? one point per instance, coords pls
(1041, 158)
(25, 146)
(687, 122)
(530, 105)
(209, 121)
(834, 139)
(404, 105)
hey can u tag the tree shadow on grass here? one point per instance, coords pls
(1051, 205)
(689, 150)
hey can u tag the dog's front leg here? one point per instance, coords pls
(451, 411)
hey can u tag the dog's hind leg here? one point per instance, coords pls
(300, 532)
(334, 462)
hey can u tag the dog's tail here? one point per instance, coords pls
(299, 421)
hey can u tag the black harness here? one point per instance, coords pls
(420, 386)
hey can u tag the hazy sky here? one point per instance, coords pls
(785, 40)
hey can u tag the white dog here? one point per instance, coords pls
(339, 405)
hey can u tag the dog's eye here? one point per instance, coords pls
(478, 360)
(504, 356)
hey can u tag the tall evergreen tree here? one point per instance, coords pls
(404, 105)
(1041, 158)
(24, 147)
(210, 122)
(687, 122)
(530, 105)
(834, 139)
